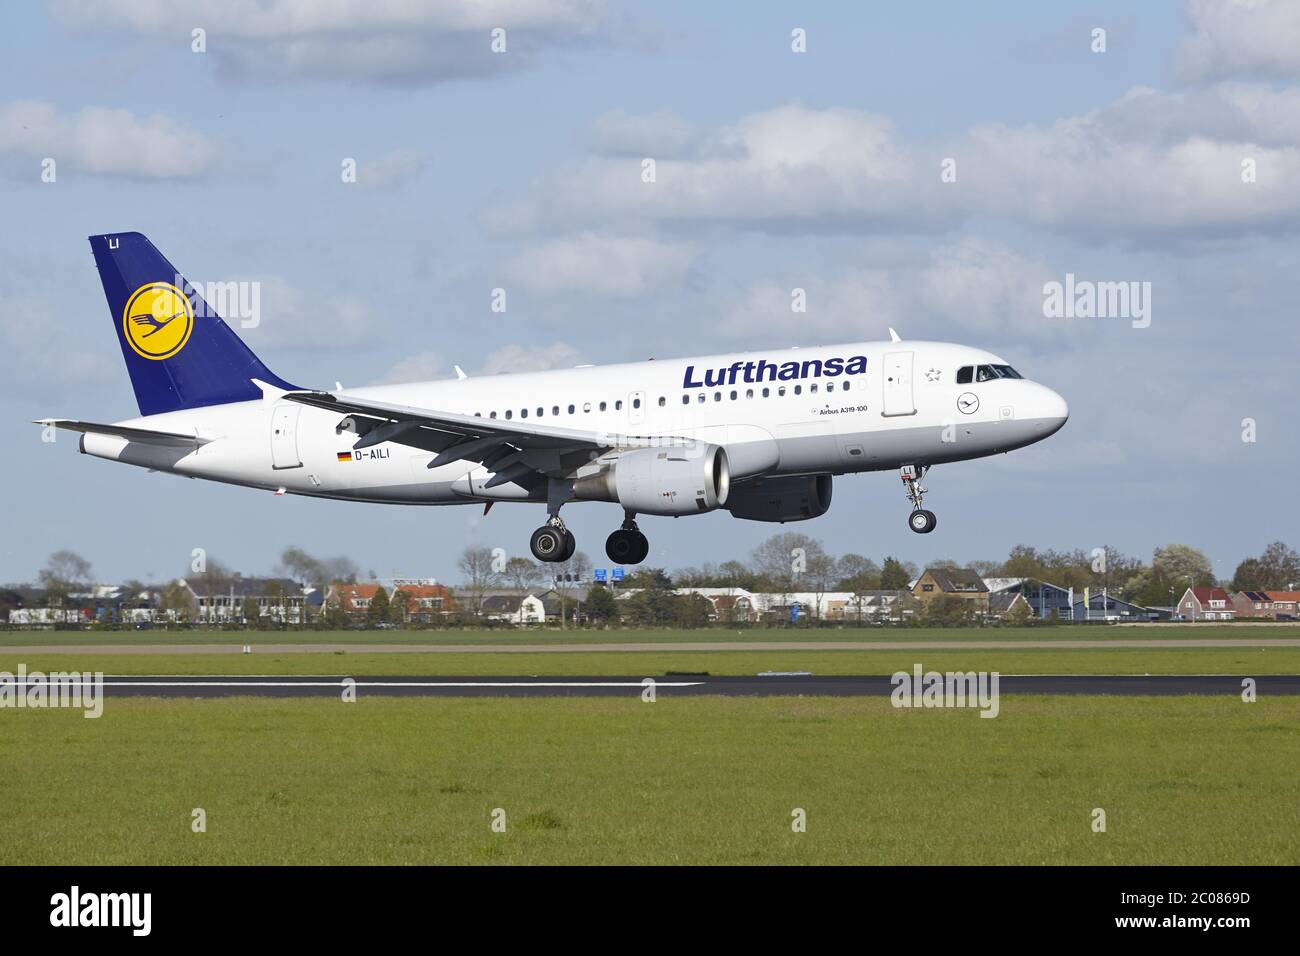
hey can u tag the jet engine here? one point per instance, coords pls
(675, 480)
(796, 498)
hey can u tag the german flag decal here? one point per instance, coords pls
(345, 456)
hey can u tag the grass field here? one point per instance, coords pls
(688, 780)
(654, 635)
(1246, 660)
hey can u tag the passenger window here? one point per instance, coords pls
(830, 386)
(780, 392)
(509, 413)
(570, 409)
(492, 414)
(846, 386)
(702, 398)
(586, 406)
(798, 389)
(812, 387)
(662, 401)
(964, 375)
(602, 406)
(523, 413)
(749, 393)
(541, 412)
(618, 405)
(766, 392)
(686, 399)
(733, 395)
(555, 409)
(636, 403)
(717, 396)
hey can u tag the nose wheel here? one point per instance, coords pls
(553, 542)
(627, 545)
(920, 520)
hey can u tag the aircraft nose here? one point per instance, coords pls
(1050, 408)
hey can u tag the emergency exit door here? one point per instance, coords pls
(897, 384)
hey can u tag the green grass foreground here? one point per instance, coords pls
(1245, 660)
(624, 635)
(1183, 780)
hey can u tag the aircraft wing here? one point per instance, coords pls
(515, 449)
(145, 435)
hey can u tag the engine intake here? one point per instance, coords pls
(677, 480)
(796, 498)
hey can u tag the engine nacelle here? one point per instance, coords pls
(796, 498)
(674, 480)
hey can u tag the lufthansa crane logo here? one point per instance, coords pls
(157, 320)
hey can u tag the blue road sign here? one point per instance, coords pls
(600, 574)
(618, 574)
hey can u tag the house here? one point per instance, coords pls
(424, 604)
(1286, 604)
(1106, 607)
(1004, 603)
(1252, 604)
(1043, 599)
(222, 601)
(514, 608)
(1205, 604)
(959, 582)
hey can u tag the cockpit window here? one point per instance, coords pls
(986, 373)
(1007, 371)
(964, 374)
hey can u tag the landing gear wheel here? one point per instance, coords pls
(627, 546)
(922, 521)
(570, 546)
(549, 543)
(622, 546)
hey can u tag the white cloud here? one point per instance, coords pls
(618, 267)
(105, 141)
(398, 168)
(388, 41)
(1150, 163)
(974, 285)
(420, 367)
(1242, 37)
(531, 358)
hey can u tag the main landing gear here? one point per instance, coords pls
(553, 542)
(920, 520)
(627, 545)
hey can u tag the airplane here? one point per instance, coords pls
(761, 435)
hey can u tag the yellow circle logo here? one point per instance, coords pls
(157, 320)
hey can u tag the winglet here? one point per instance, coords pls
(893, 336)
(460, 373)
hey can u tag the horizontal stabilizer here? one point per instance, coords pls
(145, 435)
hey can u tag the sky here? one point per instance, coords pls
(1115, 157)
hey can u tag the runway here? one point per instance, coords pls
(670, 685)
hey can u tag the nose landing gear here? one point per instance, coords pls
(627, 545)
(920, 520)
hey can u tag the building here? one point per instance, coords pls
(425, 602)
(1043, 598)
(514, 609)
(1204, 604)
(1106, 607)
(1250, 604)
(278, 600)
(1286, 605)
(959, 582)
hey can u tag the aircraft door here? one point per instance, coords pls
(897, 384)
(284, 436)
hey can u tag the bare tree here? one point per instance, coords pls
(65, 572)
(478, 568)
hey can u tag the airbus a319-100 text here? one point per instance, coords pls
(760, 435)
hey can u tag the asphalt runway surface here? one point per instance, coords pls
(670, 685)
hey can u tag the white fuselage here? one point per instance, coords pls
(902, 409)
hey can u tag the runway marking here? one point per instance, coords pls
(341, 682)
